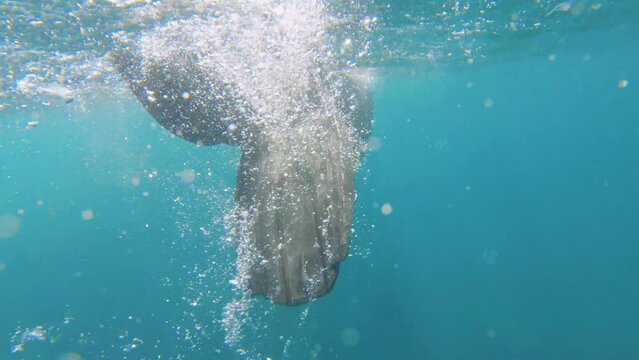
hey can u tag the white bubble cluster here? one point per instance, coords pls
(21, 337)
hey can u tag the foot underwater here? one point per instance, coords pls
(296, 178)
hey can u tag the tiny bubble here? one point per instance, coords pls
(488, 103)
(87, 214)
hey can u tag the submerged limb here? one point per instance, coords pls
(300, 152)
(192, 104)
(299, 215)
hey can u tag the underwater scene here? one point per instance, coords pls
(319, 179)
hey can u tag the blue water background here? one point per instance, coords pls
(513, 234)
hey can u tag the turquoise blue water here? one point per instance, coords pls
(514, 189)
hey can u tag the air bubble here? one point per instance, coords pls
(9, 226)
(70, 356)
(387, 209)
(186, 176)
(87, 215)
(350, 337)
(488, 103)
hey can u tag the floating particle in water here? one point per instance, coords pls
(87, 214)
(136, 343)
(489, 256)
(441, 144)
(488, 103)
(563, 7)
(622, 84)
(491, 333)
(577, 9)
(187, 176)
(468, 188)
(186, 95)
(314, 353)
(3, 267)
(40, 202)
(145, 194)
(350, 337)
(469, 85)
(32, 124)
(20, 211)
(9, 226)
(136, 181)
(374, 143)
(586, 57)
(387, 209)
(552, 57)
(596, 6)
(70, 356)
